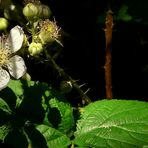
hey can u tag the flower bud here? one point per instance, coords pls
(30, 11)
(44, 11)
(26, 76)
(3, 24)
(35, 48)
(65, 86)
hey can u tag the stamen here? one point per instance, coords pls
(4, 51)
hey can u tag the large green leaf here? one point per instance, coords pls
(53, 137)
(113, 124)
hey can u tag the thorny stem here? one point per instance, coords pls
(107, 67)
(85, 98)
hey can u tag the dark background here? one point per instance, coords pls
(84, 47)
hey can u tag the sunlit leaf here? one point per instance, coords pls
(113, 124)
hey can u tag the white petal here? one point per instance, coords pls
(15, 38)
(4, 78)
(16, 66)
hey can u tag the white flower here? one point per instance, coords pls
(8, 60)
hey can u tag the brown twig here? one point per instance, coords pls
(108, 36)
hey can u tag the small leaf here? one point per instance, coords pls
(66, 112)
(4, 106)
(123, 15)
(113, 124)
(4, 130)
(17, 87)
(53, 137)
(9, 97)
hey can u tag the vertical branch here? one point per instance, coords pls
(108, 36)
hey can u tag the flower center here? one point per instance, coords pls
(50, 28)
(4, 52)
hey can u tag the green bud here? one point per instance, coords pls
(3, 24)
(65, 86)
(35, 48)
(44, 11)
(30, 11)
(26, 76)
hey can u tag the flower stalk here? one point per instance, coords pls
(85, 98)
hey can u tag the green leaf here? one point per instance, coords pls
(28, 98)
(16, 86)
(4, 106)
(35, 138)
(113, 124)
(53, 137)
(9, 97)
(4, 130)
(66, 115)
(123, 15)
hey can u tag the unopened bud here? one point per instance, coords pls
(44, 11)
(26, 76)
(3, 24)
(30, 11)
(35, 48)
(65, 86)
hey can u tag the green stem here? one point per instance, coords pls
(85, 98)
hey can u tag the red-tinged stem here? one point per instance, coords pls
(108, 36)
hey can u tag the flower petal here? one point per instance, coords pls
(15, 38)
(16, 66)
(4, 78)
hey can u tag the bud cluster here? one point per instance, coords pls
(35, 11)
